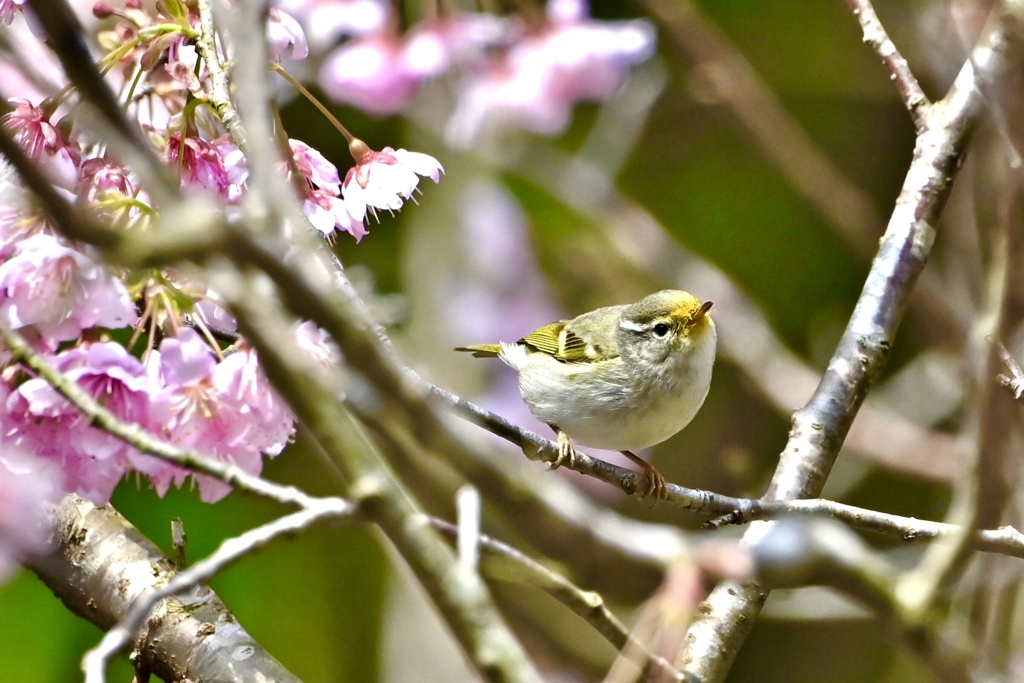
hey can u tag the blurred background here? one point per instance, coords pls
(752, 160)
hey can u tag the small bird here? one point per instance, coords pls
(618, 378)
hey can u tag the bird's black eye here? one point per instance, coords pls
(661, 329)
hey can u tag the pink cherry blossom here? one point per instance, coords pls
(369, 73)
(385, 179)
(100, 176)
(327, 213)
(235, 165)
(215, 316)
(285, 37)
(240, 379)
(20, 217)
(535, 83)
(201, 163)
(589, 59)
(325, 21)
(110, 192)
(41, 421)
(314, 167)
(317, 344)
(183, 63)
(43, 142)
(433, 46)
(27, 484)
(323, 204)
(381, 71)
(510, 91)
(60, 291)
(189, 409)
(207, 407)
(9, 9)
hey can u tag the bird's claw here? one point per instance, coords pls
(566, 454)
(658, 488)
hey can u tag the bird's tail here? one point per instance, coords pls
(482, 350)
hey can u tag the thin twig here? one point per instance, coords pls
(220, 92)
(587, 604)
(537, 447)
(1005, 540)
(876, 37)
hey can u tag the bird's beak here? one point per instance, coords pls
(701, 312)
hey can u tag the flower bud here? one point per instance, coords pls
(102, 10)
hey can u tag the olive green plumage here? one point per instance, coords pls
(621, 377)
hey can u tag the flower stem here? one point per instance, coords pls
(315, 102)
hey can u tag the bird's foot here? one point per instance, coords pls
(658, 489)
(565, 452)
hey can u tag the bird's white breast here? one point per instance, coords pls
(605, 405)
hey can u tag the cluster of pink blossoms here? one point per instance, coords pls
(380, 180)
(61, 298)
(197, 147)
(511, 73)
(78, 312)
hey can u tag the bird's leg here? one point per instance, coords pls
(565, 450)
(658, 489)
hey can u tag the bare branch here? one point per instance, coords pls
(876, 37)
(194, 637)
(821, 426)
(220, 92)
(1005, 540)
(982, 494)
(94, 663)
(587, 604)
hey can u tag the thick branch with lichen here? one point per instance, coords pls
(193, 637)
